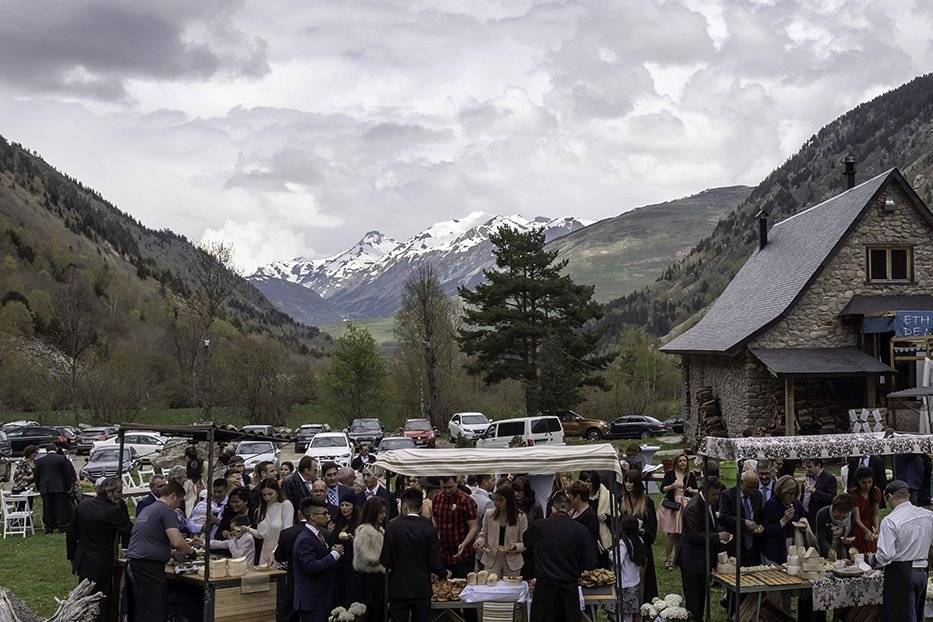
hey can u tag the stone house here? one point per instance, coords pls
(829, 313)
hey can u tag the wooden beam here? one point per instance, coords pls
(790, 416)
(871, 395)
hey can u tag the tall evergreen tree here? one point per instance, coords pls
(524, 303)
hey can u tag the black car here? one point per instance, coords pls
(304, 434)
(70, 434)
(5, 449)
(37, 435)
(367, 431)
(675, 423)
(637, 426)
(88, 436)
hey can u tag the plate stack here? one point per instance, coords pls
(236, 567)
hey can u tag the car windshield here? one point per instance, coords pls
(651, 420)
(365, 424)
(328, 441)
(308, 431)
(108, 455)
(474, 419)
(251, 449)
(397, 443)
(417, 425)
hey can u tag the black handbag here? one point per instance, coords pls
(670, 504)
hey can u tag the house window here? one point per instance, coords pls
(890, 264)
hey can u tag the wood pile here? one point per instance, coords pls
(82, 605)
(709, 417)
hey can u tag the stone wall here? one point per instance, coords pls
(814, 320)
(726, 376)
(765, 394)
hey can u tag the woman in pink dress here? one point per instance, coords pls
(678, 485)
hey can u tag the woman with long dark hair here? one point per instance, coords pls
(274, 514)
(237, 505)
(525, 500)
(367, 547)
(500, 539)
(637, 504)
(346, 582)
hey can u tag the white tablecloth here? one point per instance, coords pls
(498, 593)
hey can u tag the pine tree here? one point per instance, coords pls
(524, 303)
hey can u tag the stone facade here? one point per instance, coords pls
(749, 396)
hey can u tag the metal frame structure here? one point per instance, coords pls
(211, 434)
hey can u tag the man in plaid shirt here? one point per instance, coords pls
(455, 519)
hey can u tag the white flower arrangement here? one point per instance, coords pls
(357, 609)
(648, 612)
(339, 614)
(674, 600)
(674, 613)
(659, 604)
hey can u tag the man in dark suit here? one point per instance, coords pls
(284, 550)
(411, 554)
(691, 547)
(297, 486)
(819, 488)
(313, 565)
(55, 480)
(91, 538)
(363, 459)
(156, 482)
(335, 490)
(374, 488)
(877, 466)
(319, 493)
(562, 549)
(752, 523)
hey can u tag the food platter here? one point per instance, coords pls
(761, 578)
(447, 590)
(596, 578)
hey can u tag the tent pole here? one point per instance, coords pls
(208, 592)
(739, 518)
(122, 434)
(706, 532)
(616, 561)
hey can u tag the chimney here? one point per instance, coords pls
(849, 172)
(762, 217)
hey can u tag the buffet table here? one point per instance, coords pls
(251, 598)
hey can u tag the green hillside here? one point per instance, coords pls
(623, 254)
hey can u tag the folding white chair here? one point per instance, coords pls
(128, 480)
(145, 475)
(17, 517)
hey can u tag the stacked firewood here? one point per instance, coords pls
(82, 605)
(709, 418)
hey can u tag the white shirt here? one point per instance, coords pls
(244, 546)
(317, 534)
(905, 536)
(279, 516)
(629, 571)
(482, 499)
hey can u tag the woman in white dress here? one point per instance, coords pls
(274, 514)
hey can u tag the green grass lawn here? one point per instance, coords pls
(382, 329)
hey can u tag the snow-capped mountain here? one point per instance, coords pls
(365, 280)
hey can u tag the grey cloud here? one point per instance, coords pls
(91, 50)
(404, 133)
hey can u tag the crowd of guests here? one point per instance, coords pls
(338, 531)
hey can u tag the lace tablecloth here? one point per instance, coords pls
(832, 592)
(499, 593)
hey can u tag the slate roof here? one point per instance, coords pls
(863, 304)
(847, 361)
(773, 277)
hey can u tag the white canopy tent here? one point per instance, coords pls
(538, 460)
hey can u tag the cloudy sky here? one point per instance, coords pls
(291, 128)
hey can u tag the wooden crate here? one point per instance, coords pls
(230, 605)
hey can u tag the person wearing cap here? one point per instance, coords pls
(903, 546)
(98, 523)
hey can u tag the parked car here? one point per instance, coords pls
(5, 449)
(543, 430)
(586, 427)
(88, 436)
(254, 452)
(467, 425)
(9, 425)
(102, 462)
(395, 442)
(420, 431)
(70, 434)
(675, 423)
(365, 431)
(148, 445)
(266, 430)
(637, 426)
(331, 446)
(38, 435)
(305, 433)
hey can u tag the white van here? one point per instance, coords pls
(545, 430)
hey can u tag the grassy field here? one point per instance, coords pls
(381, 329)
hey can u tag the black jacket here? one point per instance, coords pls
(691, 547)
(727, 522)
(689, 481)
(295, 489)
(410, 554)
(93, 533)
(54, 474)
(283, 554)
(357, 463)
(821, 497)
(562, 549)
(822, 528)
(877, 467)
(391, 504)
